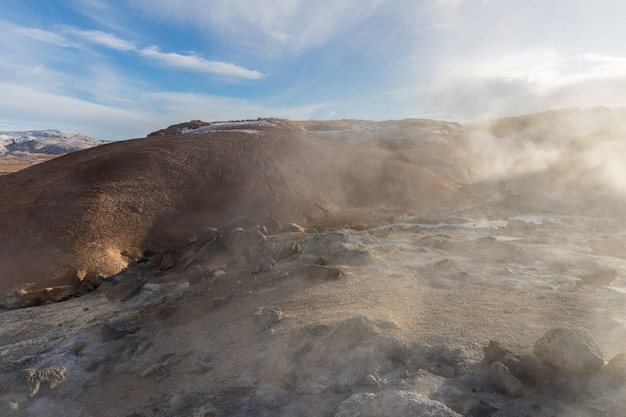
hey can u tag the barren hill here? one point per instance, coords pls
(90, 213)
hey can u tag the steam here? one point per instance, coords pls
(572, 147)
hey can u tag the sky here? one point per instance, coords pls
(119, 69)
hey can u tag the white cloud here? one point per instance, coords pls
(198, 63)
(105, 39)
(71, 37)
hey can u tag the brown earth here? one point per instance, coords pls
(90, 213)
(10, 163)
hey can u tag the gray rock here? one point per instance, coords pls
(167, 262)
(127, 284)
(449, 361)
(495, 352)
(205, 411)
(246, 242)
(241, 222)
(42, 381)
(265, 317)
(503, 381)
(117, 330)
(569, 352)
(392, 403)
(282, 250)
(323, 272)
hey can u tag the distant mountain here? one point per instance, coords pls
(50, 142)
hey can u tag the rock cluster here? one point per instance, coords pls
(355, 364)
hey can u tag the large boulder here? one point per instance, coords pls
(569, 351)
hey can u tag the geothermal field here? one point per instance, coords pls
(320, 268)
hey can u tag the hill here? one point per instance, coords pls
(91, 213)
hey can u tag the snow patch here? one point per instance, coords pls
(245, 126)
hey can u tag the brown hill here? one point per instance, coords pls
(90, 213)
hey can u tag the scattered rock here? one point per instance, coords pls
(292, 228)
(323, 272)
(43, 381)
(246, 242)
(241, 222)
(495, 351)
(449, 361)
(266, 317)
(616, 368)
(160, 367)
(281, 250)
(117, 330)
(201, 274)
(205, 411)
(167, 262)
(78, 347)
(392, 403)
(569, 351)
(127, 284)
(601, 277)
(502, 380)
(526, 368)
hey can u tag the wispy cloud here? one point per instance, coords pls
(188, 62)
(105, 39)
(44, 36)
(198, 63)
(273, 27)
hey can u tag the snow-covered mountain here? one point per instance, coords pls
(52, 142)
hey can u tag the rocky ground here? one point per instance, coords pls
(437, 313)
(510, 304)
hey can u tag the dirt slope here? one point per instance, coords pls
(91, 213)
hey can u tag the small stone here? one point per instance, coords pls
(503, 381)
(78, 347)
(241, 222)
(117, 330)
(495, 351)
(128, 284)
(323, 272)
(569, 351)
(265, 317)
(293, 228)
(167, 262)
(205, 411)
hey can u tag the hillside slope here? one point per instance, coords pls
(90, 213)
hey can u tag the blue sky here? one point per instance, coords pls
(121, 69)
